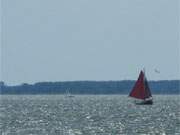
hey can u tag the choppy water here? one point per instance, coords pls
(88, 115)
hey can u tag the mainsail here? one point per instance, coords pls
(141, 88)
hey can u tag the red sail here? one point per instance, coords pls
(147, 89)
(141, 89)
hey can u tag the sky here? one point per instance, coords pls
(67, 40)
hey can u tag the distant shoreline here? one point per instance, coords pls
(83, 95)
(89, 87)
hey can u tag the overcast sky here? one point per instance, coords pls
(66, 40)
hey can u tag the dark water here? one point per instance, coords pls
(88, 115)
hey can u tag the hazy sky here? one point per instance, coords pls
(65, 40)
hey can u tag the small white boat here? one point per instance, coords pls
(68, 94)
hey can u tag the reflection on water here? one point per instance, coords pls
(88, 115)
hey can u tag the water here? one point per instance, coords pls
(88, 115)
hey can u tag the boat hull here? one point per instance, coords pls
(145, 102)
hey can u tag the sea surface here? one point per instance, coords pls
(88, 115)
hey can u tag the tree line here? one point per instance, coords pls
(89, 87)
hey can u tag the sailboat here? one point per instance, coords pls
(68, 94)
(141, 91)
